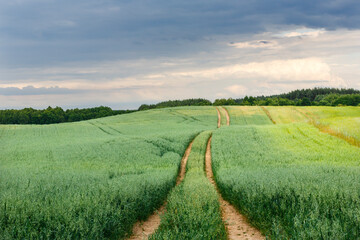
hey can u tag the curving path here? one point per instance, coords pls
(219, 118)
(236, 224)
(143, 229)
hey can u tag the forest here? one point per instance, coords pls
(303, 97)
(55, 115)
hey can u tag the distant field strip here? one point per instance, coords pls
(336, 122)
(247, 115)
(284, 115)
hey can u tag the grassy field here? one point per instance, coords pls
(92, 179)
(247, 115)
(193, 210)
(341, 119)
(290, 179)
(283, 167)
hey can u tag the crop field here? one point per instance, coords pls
(247, 115)
(341, 119)
(92, 179)
(193, 210)
(291, 180)
(283, 168)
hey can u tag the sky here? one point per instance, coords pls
(122, 53)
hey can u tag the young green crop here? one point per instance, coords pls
(92, 179)
(245, 115)
(345, 120)
(193, 210)
(292, 181)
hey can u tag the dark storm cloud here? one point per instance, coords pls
(34, 32)
(30, 90)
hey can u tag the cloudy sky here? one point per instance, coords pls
(121, 53)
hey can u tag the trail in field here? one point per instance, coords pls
(183, 164)
(227, 117)
(219, 118)
(236, 224)
(143, 229)
(268, 114)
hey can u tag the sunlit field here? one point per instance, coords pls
(280, 166)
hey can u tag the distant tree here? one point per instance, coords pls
(305, 102)
(55, 115)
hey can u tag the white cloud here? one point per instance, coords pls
(237, 89)
(255, 44)
(292, 71)
(248, 67)
(302, 32)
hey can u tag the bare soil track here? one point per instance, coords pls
(268, 114)
(227, 117)
(143, 229)
(219, 118)
(236, 224)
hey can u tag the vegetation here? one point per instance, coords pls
(304, 97)
(177, 103)
(92, 179)
(291, 180)
(344, 120)
(193, 210)
(55, 115)
(288, 169)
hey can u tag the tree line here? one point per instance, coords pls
(55, 115)
(177, 103)
(303, 97)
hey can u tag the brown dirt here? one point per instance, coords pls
(143, 229)
(236, 224)
(227, 117)
(219, 118)
(268, 114)
(183, 164)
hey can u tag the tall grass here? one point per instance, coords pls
(193, 210)
(343, 126)
(92, 179)
(292, 181)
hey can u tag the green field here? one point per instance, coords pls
(282, 167)
(92, 179)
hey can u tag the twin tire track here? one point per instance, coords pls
(143, 229)
(219, 116)
(236, 224)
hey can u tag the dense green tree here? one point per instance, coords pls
(55, 115)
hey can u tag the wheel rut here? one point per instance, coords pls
(236, 224)
(268, 114)
(227, 117)
(219, 118)
(143, 229)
